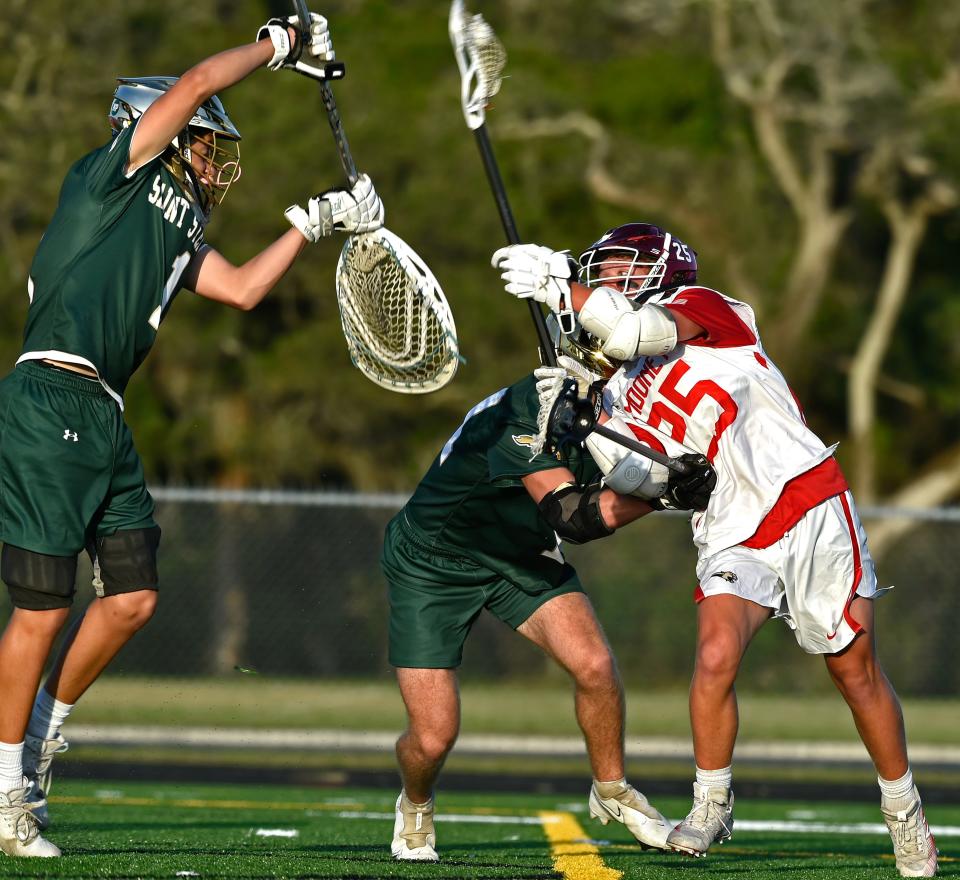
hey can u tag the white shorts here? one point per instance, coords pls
(808, 577)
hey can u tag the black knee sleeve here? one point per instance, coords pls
(125, 561)
(36, 581)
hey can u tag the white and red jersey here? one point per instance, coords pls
(721, 396)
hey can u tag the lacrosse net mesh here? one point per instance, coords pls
(488, 56)
(397, 323)
(481, 59)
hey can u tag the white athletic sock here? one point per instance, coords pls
(722, 778)
(897, 793)
(11, 766)
(48, 715)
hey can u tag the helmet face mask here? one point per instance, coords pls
(205, 165)
(628, 270)
(637, 259)
(204, 158)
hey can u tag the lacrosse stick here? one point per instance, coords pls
(481, 59)
(398, 326)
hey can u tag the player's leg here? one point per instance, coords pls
(831, 589)
(566, 628)
(434, 600)
(858, 675)
(726, 624)
(97, 637)
(41, 590)
(432, 702)
(52, 482)
(123, 540)
(24, 648)
(128, 576)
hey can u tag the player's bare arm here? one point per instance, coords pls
(213, 276)
(171, 112)
(541, 483)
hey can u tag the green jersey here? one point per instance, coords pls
(473, 502)
(109, 264)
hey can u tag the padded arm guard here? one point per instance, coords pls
(626, 330)
(574, 513)
(625, 471)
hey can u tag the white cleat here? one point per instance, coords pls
(913, 844)
(38, 757)
(709, 821)
(414, 839)
(19, 834)
(631, 808)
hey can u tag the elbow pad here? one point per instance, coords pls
(573, 512)
(625, 471)
(625, 330)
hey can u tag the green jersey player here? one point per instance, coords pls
(482, 531)
(127, 235)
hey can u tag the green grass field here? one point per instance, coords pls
(488, 707)
(164, 830)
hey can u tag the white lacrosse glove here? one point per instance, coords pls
(550, 382)
(287, 54)
(319, 45)
(355, 210)
(531, 271)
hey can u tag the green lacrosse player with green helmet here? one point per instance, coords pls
(483, 531)
(127, 235)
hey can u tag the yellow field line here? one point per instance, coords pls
(197, 804)
(204, 804)
(573, 856)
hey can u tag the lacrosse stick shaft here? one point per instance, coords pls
(547, 355)
(339, 137)
(638, 447)
(329, 104)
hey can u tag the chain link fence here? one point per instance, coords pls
(289, 584)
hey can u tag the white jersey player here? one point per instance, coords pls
(780, 534)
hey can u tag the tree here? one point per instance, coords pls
(841, 129)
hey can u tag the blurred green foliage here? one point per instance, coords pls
(270, 398)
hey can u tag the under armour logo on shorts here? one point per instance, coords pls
(70, 435)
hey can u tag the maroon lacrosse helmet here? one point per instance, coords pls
(639, 259)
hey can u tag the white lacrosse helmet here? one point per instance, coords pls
(210, 124)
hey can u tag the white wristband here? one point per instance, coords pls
(280, 38)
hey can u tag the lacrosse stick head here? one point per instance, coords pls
(396, 320)
(481, 59)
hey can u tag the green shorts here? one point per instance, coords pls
(436, 596)
(68, 468)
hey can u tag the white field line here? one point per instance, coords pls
(453, 817)
(794, 827)
(757, 825)
(378, 741)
